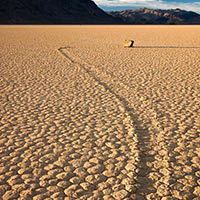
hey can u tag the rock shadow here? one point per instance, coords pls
(164, 47)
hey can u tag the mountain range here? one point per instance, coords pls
(86, 12)
(157, 16)
(53, 12)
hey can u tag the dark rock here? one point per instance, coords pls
(128, 43)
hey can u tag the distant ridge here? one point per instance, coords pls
(86, 12)
(157, 16)
(53, 12)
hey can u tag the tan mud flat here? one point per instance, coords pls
(82, 118)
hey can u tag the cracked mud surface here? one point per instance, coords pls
(84, 118)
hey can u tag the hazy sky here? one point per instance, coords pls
(193, 5)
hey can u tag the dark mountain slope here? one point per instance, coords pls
(151, 16)
(52, 12)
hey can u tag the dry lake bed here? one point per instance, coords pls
(83, 118)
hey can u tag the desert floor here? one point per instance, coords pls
(84, 118)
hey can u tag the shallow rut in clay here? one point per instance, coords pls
(143, 184)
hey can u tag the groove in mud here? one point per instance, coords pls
(143, 183)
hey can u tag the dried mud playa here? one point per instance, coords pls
(84, 118)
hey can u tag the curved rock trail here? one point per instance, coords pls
(133, 154)
(148, 151)
(162, 173)
(142, 183)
